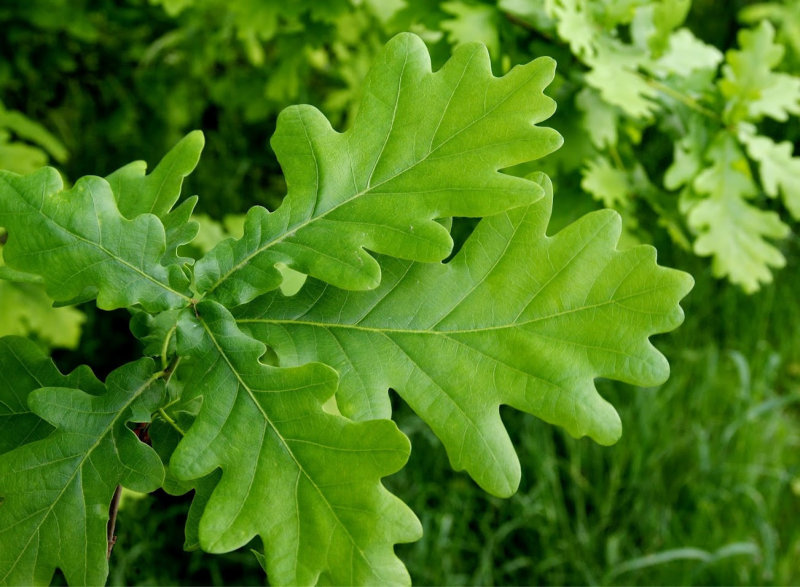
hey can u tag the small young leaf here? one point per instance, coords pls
(778, 169)
(516, 318)
(82, 246)
(306, 481)
(423, 146)
(56, 492)
(729, 229)
(752, 89)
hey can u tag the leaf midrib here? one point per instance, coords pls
(428, 331)
(291, 230)
(284, 442)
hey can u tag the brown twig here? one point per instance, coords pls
(112, 520)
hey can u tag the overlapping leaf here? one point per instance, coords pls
(751, 86)
(733, 232)
(82, 246)
(423, 146)
(306, 481)
(55, 493)
(778, 169)
(23, 368)
(516, 318)
(158, 192)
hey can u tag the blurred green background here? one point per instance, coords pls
(703, 488)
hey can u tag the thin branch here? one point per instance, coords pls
(112, 520)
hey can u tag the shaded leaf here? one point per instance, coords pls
(306, 481)
(516, 318)
(23, 368)
(56, 492)
(81, 245)
(382, 184)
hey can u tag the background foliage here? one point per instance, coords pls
(681, 115)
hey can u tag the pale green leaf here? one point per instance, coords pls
(306, 481)
(472, 23)
(685, 54)
(575, 25)
(751, 86)
(423, 146)
(606, 183)
(733, 232)
(600, 119)
(81, 245)
(614, 73)
(26, 310)
(56, 492)
(778, 169)
(516, 318)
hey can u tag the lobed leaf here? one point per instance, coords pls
(778, 169)
(730, 230)
(516, 318)
(23, 368)
(752, 89)
(55, 493)
(82, 246)
(423, 146)
(306, 481)
(158, 192)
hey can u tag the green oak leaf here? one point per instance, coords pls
(686, 53)
(23, 368)
(778, 169)
(56, 491)
(516, 318)
(600, 119)
(305, 480)
(575, 25)
(472, 23)
(606, 183)
(158, 192)
(423, 146)
(729, 229)
(82, 246)
(614, 74)
(752, 89)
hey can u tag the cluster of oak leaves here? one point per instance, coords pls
(274, 408)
